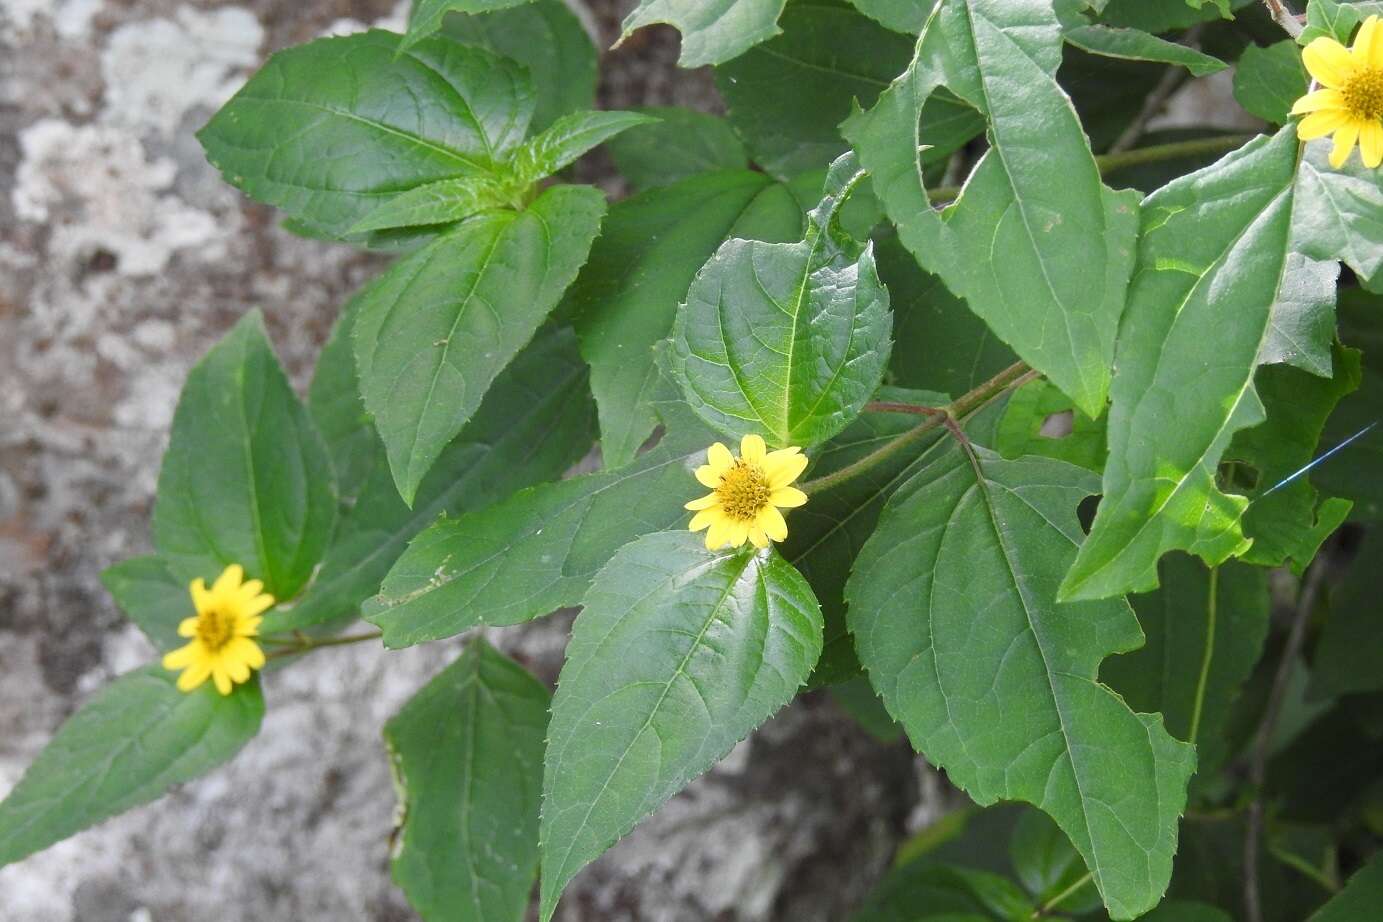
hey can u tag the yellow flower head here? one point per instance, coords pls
(228, 616)
(1351, 104)
(746, 493)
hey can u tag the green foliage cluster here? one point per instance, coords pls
(935, 245)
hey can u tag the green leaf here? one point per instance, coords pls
(543, 545)
(534, 423)
(467, 756)
(1158, 16)
(1232, 257)
(1359, 900)
(1164, 674)
(787, 96)
(938, 343)
(1284, 521)
(330, 130)
(713, 31)
(1024, 428)
(566, 140)
(626, 297)
(127, 745)
(680, 144)
(1335, 19)
(1062, 242)
(1268, 81)
(906, 16)
(426, 16)
(1222, 6)
(1014, 711)
(440, 325)
(551, 43)
(946, 893)
(1351, 645)
(856, 698)
(246, 478)
(787, 340)
(1136, 45)
(1048, 866)
(149, 594)
(1182, 911)
(676, 656)
(445, 201)
(333, 401)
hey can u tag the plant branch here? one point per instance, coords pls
(1015, 375)
(1210, 610)
(301, 643)
(1155, 153)
(1283, 17)
(1061, 897)
(1258, 762)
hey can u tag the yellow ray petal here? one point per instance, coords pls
(248, 627)
(773, 523)
(757, 537)
(1328, 61)
(229, 579)
(703, 502)
(1366, 43)
(787, 497)
(1320, 124)
(704, 519)
(752, 448)
(718, 532)
(1321, 99)
(248, 652)
(1345, 138)
(202, 598)
(719, 459)
(786, 471)
(1371, 144)
(187, 627)
(222, 678)
(255, 606)
(739, 532)
(194, 675)
(181, 657)
(709, 475)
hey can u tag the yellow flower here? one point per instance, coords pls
(228, 616)
(1351, 105)
(747, 493)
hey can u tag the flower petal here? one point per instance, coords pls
(181, 657)
(248, 627)
(202, 599)
(773, 523)
(1366, 43)
(1321, 99)
(757, 537)
(717, 534)
(704, 519)
(194, 675)
(787, 497)
(229, 580)
(709, 476)
(1344, 143)
(187, 627)
(703, 502)
(1320, 124)
(1328, 61)
(1371, 144)
(739, 532)
(221, 676)
(786, 471)
(752, 448)
(249, 652)
(255, 606)
(719, 459)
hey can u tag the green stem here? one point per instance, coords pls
(1012, 376)
(1210, 609)
(304, 644)
(1061, 897)
(1109, 163)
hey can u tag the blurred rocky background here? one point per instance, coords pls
(123, 257)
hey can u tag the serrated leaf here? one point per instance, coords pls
(149, 594)
(953, 606)
(679, 145)
(1164, 673)
(440, 325)
(1159, 16)
(549, 41)
(126, 746)
(1267, 81)
(1136, 45)
(443, 202)
(787, 96)
(543, 545)
(534, 423)
(425, 17)
(566, 140)
(1048, 866)
(1023, 430)
(467, 756)
(906, 16)
(786, 340)
(333, 401)
(1061, 242)
(713, 31)
(246, 479)
(330, 130)
(1221, 274)
(1335, 19)
(1359, 899)
(677, 655)
(626, 296)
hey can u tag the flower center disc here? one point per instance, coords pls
(215, 629)
(743, 491)
(1364, 93)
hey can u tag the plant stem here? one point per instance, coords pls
(301, 643)
(1283, 17)
(1156, 153)
(1210, 609)
(1012, 376)
(1258, 762)
(1061, 897)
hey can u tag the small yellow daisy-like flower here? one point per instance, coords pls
(1351, 104)
(228, 616)
(746, 493)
